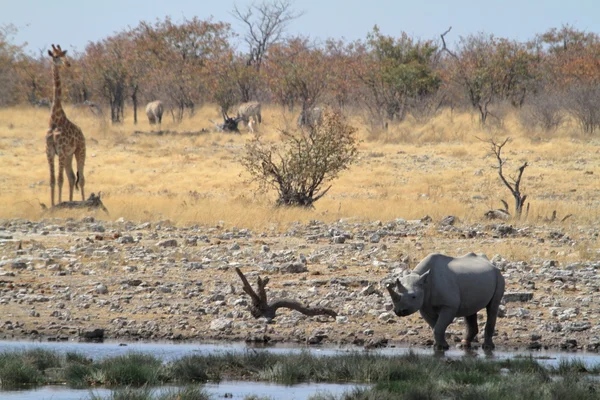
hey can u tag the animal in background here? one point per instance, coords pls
(310, 117)
(154, 111)
(252, 125)
(249, 110)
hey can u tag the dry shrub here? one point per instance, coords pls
(304, 161)
(582, 102)
(543, 111)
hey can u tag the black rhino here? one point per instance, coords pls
(443, 288)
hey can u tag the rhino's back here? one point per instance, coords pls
(468, 282)
(154, 108)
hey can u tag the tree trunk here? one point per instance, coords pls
(134, 100)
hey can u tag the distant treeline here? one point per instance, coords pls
(553, 77)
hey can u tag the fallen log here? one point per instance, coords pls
(93, 202)
(202, 131)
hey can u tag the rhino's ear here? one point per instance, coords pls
(423, 279)
(399, 286)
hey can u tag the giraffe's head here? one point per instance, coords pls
(59, 56)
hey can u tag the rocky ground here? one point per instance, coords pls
(66, 279)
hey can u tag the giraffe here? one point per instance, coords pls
(63, 138)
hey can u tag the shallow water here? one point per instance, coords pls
(238, 389)
(169, 351)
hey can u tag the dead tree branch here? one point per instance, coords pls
(515, 182)
(261, 308)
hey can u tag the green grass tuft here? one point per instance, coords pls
(186, 393)
(131, 369)
(17, 370)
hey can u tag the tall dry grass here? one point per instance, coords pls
(409, 171)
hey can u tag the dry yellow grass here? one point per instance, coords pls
(410, 171)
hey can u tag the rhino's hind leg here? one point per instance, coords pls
(492, 313)
(471, 329)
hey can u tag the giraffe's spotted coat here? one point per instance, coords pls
(63, 138)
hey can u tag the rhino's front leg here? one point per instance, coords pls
(430, 317)
(445, 318)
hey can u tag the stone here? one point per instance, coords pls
(18, 265)
(338, 239)
(220, 324)
(517, 296)
(97, 228)
(386, 316)
(375, 238)
(370, 289)
(101, 289)
(577, 326)
(294, 268)
(568, 344)
(449, 220)
(535, 337)
(92, 335)
(167, 243)
(125, 239)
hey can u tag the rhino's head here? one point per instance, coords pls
(408, 297)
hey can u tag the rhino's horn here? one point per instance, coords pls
(395, 296)
(399, 286)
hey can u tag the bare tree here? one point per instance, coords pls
(545, 110)
(265, 24)
(480, 99)
(515, 182)
(582, 103)
(261, 308)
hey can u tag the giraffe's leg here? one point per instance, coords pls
(70, 175)
(50, 157)
(80, 158)
(61, 177)
(52, 178)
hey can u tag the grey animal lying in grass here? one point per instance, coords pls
(443, 287)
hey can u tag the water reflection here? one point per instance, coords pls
(238, 389)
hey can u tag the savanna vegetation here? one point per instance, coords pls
(422, 110)
(550, 79)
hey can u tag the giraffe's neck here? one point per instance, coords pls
(57, 112)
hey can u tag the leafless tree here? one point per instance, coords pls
(480, 99)
(265, 24)
(544, 111)
(582, 103)
(515, 182)
(261, 308)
